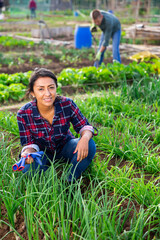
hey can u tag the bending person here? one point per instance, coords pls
(111, 28)
(45, 121)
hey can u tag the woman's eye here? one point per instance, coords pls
(51, 87)
(40, 89)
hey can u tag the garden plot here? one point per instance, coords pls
(13, 86)
(18, 55)
(117, 197)
(21, 56)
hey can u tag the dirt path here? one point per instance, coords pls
(16, 106)
(12, 108)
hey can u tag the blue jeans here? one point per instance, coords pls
(115, 47)
(66, 155)
(33, 13)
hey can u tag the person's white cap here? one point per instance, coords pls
(35, 146)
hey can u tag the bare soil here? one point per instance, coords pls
(56, 66)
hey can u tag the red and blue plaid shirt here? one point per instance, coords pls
(34, 129)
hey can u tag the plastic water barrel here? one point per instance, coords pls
(76, 14)
(82, 37)
(111, 11)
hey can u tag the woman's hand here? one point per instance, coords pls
(29, 160)
(82, 146)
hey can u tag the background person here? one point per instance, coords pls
(1, 5)
(32, 7)
(111, 28)
(45, 121)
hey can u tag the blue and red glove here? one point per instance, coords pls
(37, 156)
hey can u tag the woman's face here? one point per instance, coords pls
(44, 90)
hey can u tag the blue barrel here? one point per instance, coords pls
(82, 37)
(76, 14)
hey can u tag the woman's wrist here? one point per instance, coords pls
(86, 135)
(35, 146)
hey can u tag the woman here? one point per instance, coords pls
(45, 121)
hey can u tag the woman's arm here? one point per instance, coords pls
(78, 120)
(82, 146)
(25, 137)
(24, 132)
(82, 126)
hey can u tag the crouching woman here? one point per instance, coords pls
(45, 122)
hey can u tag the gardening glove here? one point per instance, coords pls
(19, 166)
(93, 28)
(98, 56)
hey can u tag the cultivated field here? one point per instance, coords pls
(118, 197)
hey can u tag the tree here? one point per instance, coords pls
(137, 9)
(60, 5)
(98, 4)
(111, 4)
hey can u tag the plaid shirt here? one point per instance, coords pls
(34, 129)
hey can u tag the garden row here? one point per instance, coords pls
(133, 119)
(11, 53)
(10, 42)
(121, 200)
(12, 87)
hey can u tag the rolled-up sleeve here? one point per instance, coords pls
(25, 135)
(79, 122)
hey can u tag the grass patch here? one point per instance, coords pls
(116, 198)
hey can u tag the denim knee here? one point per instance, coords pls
(92, 149)
(77, 168)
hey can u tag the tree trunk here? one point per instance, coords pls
(111, 4)
(104, 4)
(98, 4)
(148, 7)
(137, 9)
(60, 5)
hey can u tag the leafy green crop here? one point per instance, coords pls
(142, 76)
(13, 86)
(4, 96)
(111, 73)
(7, 79)
(16, 91)
(3, 78)
(11, 42)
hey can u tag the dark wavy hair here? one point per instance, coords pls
(95, 14)
(40, 72)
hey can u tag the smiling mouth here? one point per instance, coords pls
(47, 99)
